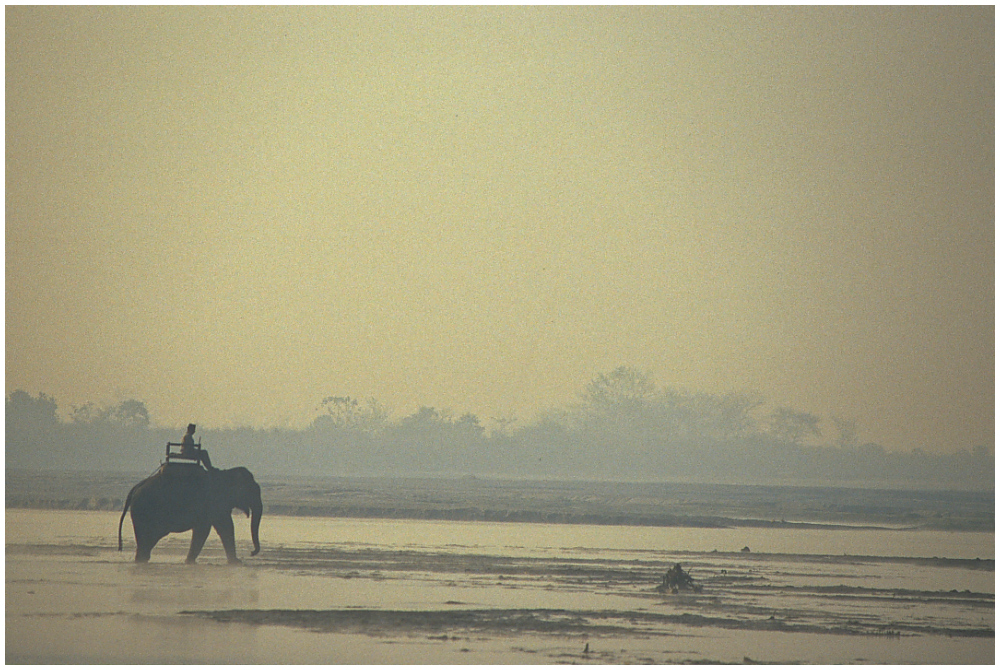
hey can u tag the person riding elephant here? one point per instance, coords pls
(177, 499)
(189, 450)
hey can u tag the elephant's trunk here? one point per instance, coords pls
(256, 509)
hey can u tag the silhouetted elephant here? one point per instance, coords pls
(179, 498)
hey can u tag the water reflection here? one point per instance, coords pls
(71, 597)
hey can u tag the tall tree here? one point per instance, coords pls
(788, 425)
(349, 413)
(625, 389)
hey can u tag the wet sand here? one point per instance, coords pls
(353, 591)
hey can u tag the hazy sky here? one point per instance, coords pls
(233, 213)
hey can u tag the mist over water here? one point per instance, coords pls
(404, 591)
(482, 208)
(470, 570)
(513, 312)
(622, 427)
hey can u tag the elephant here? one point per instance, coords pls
(182, 497)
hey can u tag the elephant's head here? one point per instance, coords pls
(239, 489)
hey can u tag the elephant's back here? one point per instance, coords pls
(171, 496)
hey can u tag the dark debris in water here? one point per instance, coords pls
(677, 580)
(555, 621)
(55, 549)
(374, 622)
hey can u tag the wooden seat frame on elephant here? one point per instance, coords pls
(175, 457)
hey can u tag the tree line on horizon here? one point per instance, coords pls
(622, 427)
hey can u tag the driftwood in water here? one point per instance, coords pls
(677, 580)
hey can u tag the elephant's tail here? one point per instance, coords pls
(128, 501)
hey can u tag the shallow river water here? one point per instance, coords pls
(327, 590)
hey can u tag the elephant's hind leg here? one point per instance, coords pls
(142, 554)
(144, 543)
(198, 536)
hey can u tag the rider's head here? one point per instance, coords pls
(191, 428)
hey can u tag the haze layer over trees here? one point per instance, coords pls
(623, 427)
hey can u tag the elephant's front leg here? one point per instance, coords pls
(224, 527)
(198, 536)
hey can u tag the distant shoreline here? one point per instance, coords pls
(488, 515)
(679, 505)
(530, 516)
(495, 516)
